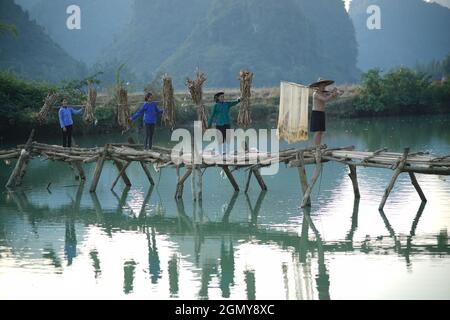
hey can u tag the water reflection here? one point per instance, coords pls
(173, 271)
(129, 268)
(217, 247)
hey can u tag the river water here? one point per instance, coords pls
(139, 243)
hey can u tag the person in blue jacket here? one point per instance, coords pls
(221, 116)
(65, 120)
(150, 111)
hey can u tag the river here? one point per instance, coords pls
(139, 243)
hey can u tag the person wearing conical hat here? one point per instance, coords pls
(320, 98)
(221, 116)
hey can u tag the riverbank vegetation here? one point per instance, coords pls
(401, 91)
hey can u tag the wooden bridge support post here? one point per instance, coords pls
(303, 177)
(147, 173)
(199, 184)
(143, 165)
(180, 183)
(257, 174)
(417, 186)
(122, 172)
(13, 179)
(353, 176)
(98, 169)
(397, 172)
(22, 163)
(231, 178)
(259, 178)
(306, 197)
(247, 184)
(81, 173)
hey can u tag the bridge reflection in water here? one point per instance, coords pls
(219, 259)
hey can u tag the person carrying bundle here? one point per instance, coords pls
(65, 120)
(320, 98)
(150, 110)
(221, 116)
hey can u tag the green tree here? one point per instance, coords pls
(4, 28)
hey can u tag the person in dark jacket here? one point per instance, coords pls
(221, 116)
(65, 121)
(150, 110)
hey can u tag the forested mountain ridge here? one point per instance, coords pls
(297, 40)
(31, 53)
(101, 21)
(412, 32)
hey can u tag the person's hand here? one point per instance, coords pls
(64, 129)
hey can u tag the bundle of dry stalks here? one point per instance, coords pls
(196, 91)
(168, 117)
(245, 78)
(123, 109)
(49, 101)
(89, 112)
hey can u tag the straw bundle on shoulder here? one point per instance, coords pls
(168, 117)
(123, 109)
(245, 78)
(89, 112)
(195, 88)
(49, 101)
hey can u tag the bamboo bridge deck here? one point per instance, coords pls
(123, 154)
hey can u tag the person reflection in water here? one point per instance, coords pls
(227, 268)
(70, 247)
(153, 257)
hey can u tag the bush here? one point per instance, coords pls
(400, 91)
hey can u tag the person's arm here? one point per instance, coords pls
(212, 117)
(76, 111)
(139, 112)
(158, 110)
(233, 103)
(324, 97)
(61, 121)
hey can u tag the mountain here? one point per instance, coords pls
(159, 27)
(412, 32)
(297, 40)
(31, 53)
(101, 21)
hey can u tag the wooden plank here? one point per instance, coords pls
(394, 178)
(231, 178)
(417, 186)
(375, 153)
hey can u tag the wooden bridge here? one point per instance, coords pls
(123, 154)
